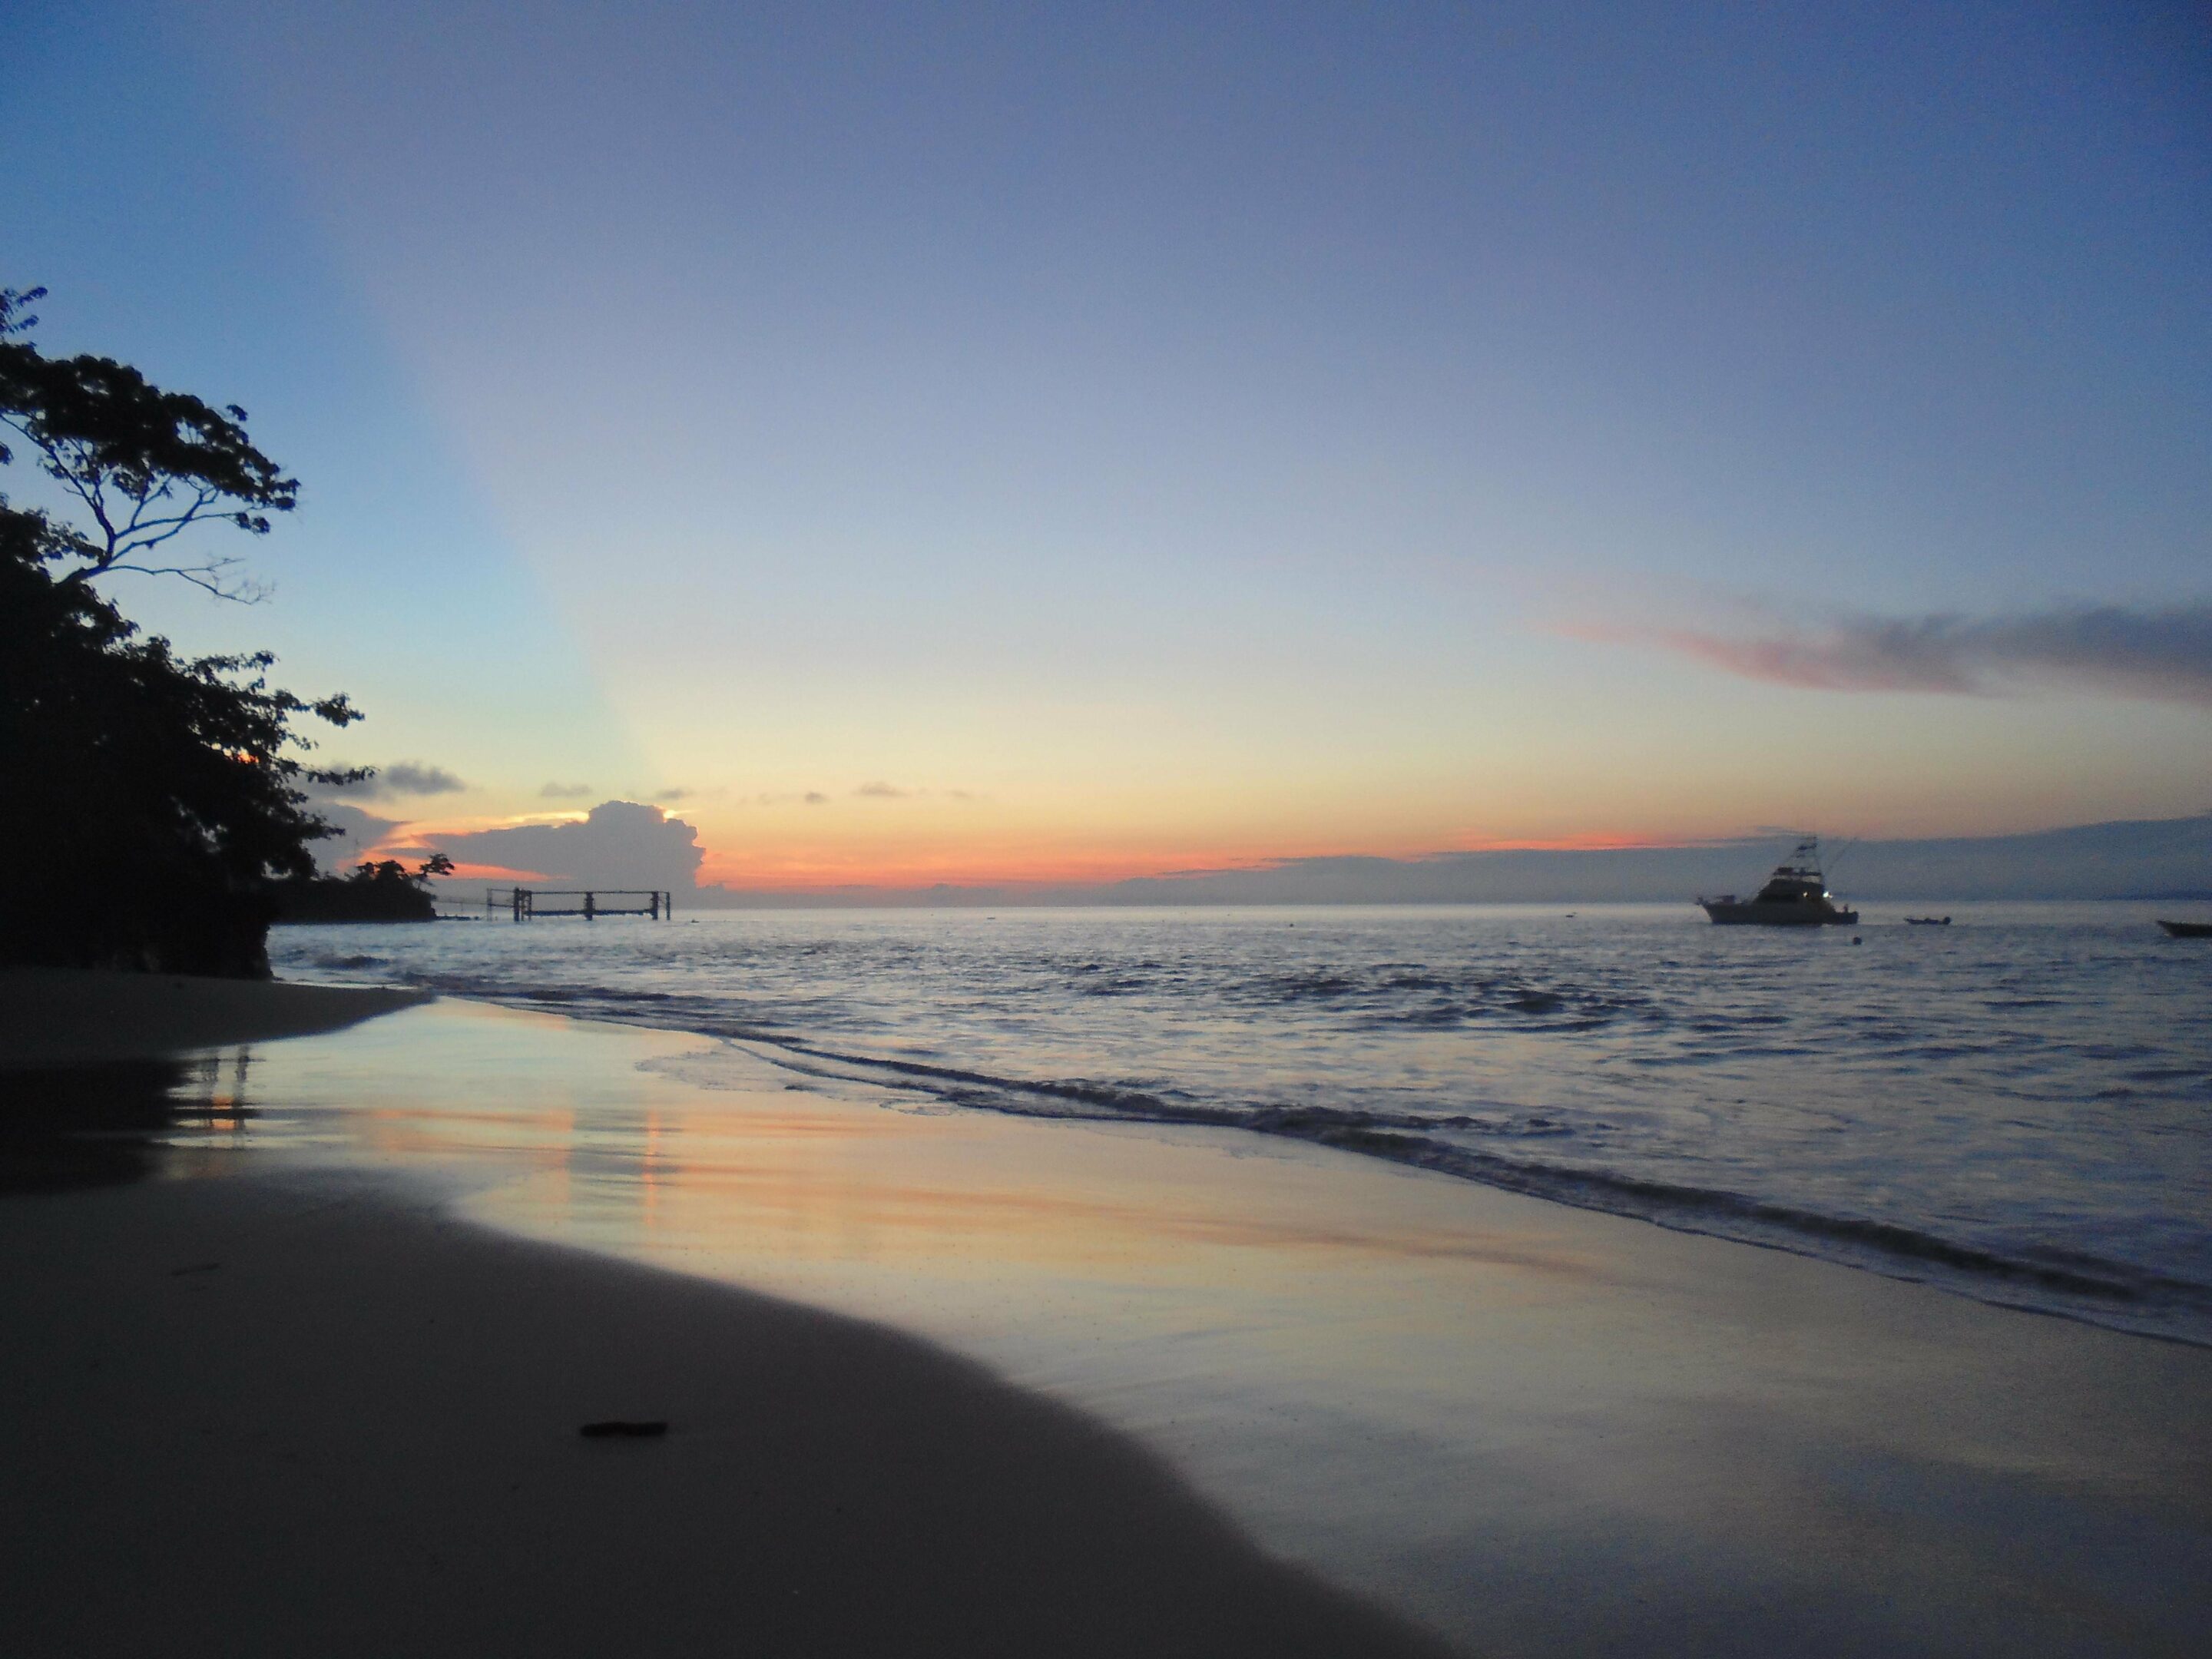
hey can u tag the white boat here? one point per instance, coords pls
(1795, 896)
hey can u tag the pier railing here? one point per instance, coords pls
(529, 903)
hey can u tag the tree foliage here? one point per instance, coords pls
(390, 873)
(165, 792)
(383, 890)
(145, 465)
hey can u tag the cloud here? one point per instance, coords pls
(2162, 655)
(673, 794)
(399, 778)
(876, 789)
(619, 844)
(357, 832)
(564, 791)
(464, 871)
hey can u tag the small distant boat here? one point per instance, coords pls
(1927, 921)
(1795, 896)
(2186, 929)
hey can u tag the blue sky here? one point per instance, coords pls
(1146, 435)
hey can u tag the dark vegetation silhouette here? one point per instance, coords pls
(162, 795)
(386, 891)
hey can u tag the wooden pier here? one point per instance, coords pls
(528, 903)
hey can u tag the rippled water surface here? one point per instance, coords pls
(2018, 1106)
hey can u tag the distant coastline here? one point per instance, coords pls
(386, 891)
(331, 899)
(2161, 861)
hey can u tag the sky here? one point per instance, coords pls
(966, 443)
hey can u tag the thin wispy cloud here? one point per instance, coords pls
(399, 778)
(882, 791)
(2160, 656)
(564, 791)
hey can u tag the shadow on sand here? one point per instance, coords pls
(64, 1127)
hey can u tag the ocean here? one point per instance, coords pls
(2016, 1107)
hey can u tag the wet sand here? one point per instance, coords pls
(1537, 1430)
(1530, 1429)
(287, 1412)
(253, 1416)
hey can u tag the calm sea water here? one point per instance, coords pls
(2017, 1107)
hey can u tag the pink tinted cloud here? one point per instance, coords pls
(2160, 656)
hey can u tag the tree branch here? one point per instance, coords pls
(145, 465)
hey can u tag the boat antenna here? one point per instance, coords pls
(1842, 851)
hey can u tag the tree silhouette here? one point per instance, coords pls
(381, 889)
(167, 790)
(145, 466)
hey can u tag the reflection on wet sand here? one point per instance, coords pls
(1536, 1427)
(741, 1177)
(839, 1176)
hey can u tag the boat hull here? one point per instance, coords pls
(1752, 914)
(2187, 929)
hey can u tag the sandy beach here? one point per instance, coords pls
(263, 1417)
(942, 1381)
(62, 1017)
(294, 1414)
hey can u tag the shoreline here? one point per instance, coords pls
(1530, 1428)
(2102, 1296)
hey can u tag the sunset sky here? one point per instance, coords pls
(981, 442)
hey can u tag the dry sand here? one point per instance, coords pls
(72, 1016)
